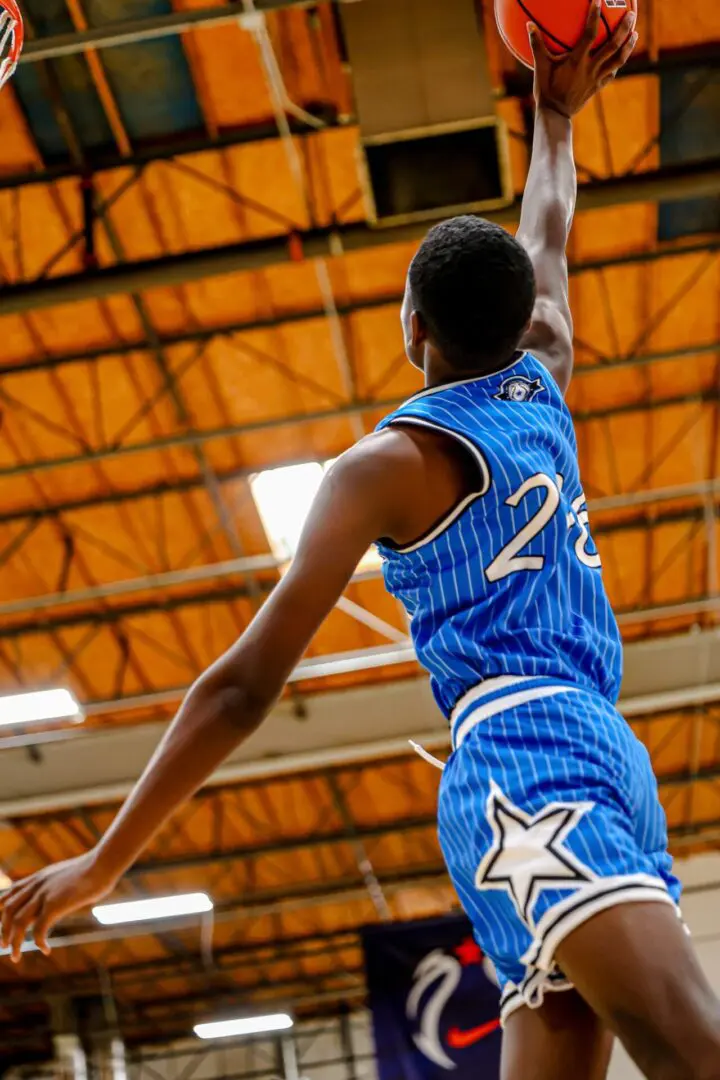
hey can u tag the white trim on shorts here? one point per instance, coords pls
(561, 919)
(543, 976)
(511, 695)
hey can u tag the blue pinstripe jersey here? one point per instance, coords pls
(510, 582)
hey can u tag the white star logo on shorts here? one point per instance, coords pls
(528, 854)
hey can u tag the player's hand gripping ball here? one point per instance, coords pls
(561, 23)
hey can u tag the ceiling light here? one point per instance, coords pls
(248, 1025)
(283, 498)
(161, 907)
(37, 706)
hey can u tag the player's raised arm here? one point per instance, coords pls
(358, 503)
(562, 87)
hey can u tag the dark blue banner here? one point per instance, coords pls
(434, 1001)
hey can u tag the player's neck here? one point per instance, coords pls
(438, 372)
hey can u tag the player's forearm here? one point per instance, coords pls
(212, 721)
(551, 192)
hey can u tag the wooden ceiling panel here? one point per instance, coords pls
(689, 25)
(87, 324)
(683, 304)
(616, 133)
(613, 232)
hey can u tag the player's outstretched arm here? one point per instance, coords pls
(358, 502)
(562, 87)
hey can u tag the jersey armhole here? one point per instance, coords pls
(453, 514)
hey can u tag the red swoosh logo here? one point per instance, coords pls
(459, 1040)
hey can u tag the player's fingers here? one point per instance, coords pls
(22, 921)
(620, 58)
(13, 902)
(617, 41)
(540, 51)
(592, 27)
(43, 926)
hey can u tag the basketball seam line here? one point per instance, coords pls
(557, 40)
(540, 27)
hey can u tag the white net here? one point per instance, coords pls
(11, 40)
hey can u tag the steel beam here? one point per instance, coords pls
(198, 336)
(172, 148)
(349, 834)
(189, 484)
(133, 32)
(704, 54)
(517, 85)
(165, 604)
(702, 490)
(391, 655)
(196, 438)
(260, 905)
(227, 958)
(669, 183)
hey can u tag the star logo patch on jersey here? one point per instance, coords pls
(519, 388)
(528, 853)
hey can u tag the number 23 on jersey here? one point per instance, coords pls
(510, 560)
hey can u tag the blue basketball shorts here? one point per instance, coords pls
(548, 814)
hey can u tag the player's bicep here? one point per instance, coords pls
(344, 520)
(550, 334)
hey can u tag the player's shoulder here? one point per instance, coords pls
(382, 474)
(386, 457)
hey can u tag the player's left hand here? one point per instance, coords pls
(40, 901)
(566, 83)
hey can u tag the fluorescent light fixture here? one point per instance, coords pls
(283, 498)
(248, 1025)
(37, 706)
(160, 907)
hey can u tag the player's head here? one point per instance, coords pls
(469, 296)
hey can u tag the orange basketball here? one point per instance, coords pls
(561, 23)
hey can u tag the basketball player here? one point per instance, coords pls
(549, 817)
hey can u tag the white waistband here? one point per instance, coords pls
(513, 690)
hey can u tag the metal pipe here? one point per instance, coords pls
(152, 582)
(668, 183)
(217, 571)
(337, 663)
(132, 32)
(312, 761)
(227, 775)
(390, 655)
(700, 489)
(291, 1069)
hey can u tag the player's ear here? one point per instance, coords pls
(418, 330)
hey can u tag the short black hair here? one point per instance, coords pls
(474, 286)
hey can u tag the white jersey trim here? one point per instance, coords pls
(517, 359)
(462, 506)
